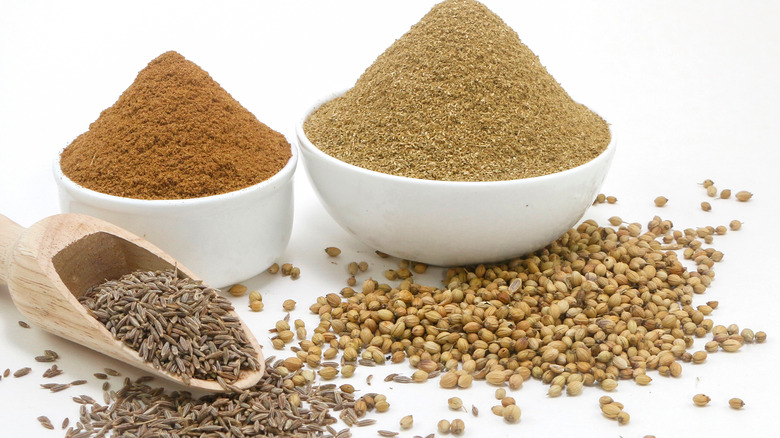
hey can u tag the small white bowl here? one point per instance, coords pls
(451, 223)
(223, 239)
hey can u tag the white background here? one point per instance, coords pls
(690, 88)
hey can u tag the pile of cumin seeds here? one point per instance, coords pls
(272, 408)
(175, 323)
(458, 98)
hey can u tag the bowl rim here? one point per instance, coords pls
(308, 146)
(65, 183)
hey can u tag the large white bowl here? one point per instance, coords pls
(451, 223)
(223, 239)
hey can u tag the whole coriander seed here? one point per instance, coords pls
(735, 225)
(706, 206)
(736, 403)
(615, 221)
(332, 251)
(712, 191)
(455, 403)
(237, 290)
(406, 422)
(457, 427)
(273, 269)
(611, 199)
(700, 400)
(725, 194)
(707, 183)
(660, 201)
(288, 305)
(443, 426)
(743, 196)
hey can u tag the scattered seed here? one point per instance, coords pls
(455, 403)
(387, 433)
(22, 372)
(255, 296)
(736, 403)
(288, 305)
(700, 400)
(256, 306)
(660, 201)
(295, 273)
(368, 379)
(237, 290)
(407, 422)
(511, 413)
(712, 191)
(44, 359)
(65, 423)
(457, 427)
(78, 382)
(474, 411)
(706, 206)
(332, 251)
(443, 426)
(623, 417)
(273, 269)
(735, 225)
(45, 422)
(743, 196)
(7, 372)
(615, 221)
(24, 324)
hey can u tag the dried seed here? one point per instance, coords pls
(623, 417)
(611, 410)
(65, 422)
(615, 221)
(457, 427)
(605, 400)
(407, 422)
(256, 306)
(100, 376)
(295, 273)
(700, 400)
(712, 191)
(660, 201)
(78, 382)
(332, 251)
(455, 403)
(288, 305)
(743, 196)
(273, 269)
(443, 426)
(24, 324)
(474, 411)
(706, 206)
(735, 225)
(255, 296)
(511, 413)
(736, 403)
(237, 290)
(363, 266)
(387, 433)
(22, 372)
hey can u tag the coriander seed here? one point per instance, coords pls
(660, 201)
(406, 422)
(736, 403)
(237, 290)
(706, 206)
(725, 194)
(332, 251)
(735, 225)
(743, 196)
(443, 426)
(457, 427)
(700, 400)
(455, 403)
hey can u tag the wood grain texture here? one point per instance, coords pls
(49, 265)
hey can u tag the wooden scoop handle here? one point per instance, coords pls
(10, 232)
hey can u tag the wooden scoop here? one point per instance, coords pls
(49, 265)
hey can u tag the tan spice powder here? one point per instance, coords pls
(459, 98)
(174, 134)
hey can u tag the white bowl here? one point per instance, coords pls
(451, 223)
(223, 239)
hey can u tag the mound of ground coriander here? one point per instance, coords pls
(174, 134)
(459, 98)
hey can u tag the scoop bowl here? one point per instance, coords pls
(449, 223)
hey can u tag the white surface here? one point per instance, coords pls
(689, 86)
(383, 211)
(225, 238)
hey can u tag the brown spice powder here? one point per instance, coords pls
(459, 97)
(174, 134)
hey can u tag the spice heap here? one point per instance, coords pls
(174, 134)
(175, 323)
(598, 305)
(459, 98)
(275, 407)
